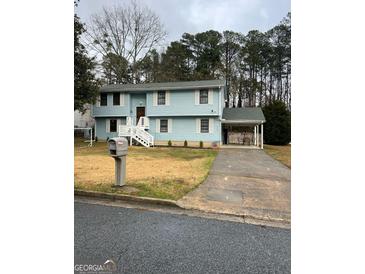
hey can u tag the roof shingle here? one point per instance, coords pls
(243, 114)
(165, 86)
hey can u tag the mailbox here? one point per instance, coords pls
(118, 146)
(118, 149)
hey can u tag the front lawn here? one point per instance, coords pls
(167, 173)
(280, 153)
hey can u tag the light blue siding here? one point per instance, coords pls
(111, 110)
(136, 100)
(100, 130)
(184, 128)
(182, 110)
(182, 103)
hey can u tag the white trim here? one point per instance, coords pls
(220, 102)
(98, 100)
(162, 87)
(189, 114)
(121, 99)
(107, 125)
(171, 115)
(109, 115)
(210, 97)
(128, 121)
(211, 125)
(262, 136)
(169, 125)
(255, 136)
(197, 94)
(119, 122)
(157, 125)
(197, 125)
(167, 98)
(154, 99)
(95, 128)
(242, 121)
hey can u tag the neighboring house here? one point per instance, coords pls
(154, 113)
(84, 120)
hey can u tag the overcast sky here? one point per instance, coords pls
(192, 16)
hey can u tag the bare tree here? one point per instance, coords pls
(129, 32)
(230, 49)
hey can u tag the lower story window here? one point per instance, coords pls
(113, 125)
(163, 126)
(204, 125)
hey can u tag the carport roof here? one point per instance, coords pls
(243, 115)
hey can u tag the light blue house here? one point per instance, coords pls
(156, 113)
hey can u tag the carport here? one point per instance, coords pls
(243, 127)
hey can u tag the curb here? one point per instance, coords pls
(171, 203)
(125, 197)
(246, 216)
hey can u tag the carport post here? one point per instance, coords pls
(262, 136)
(254, 130)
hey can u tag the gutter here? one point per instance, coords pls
(183, 115)
(224, 121)
(158, 88)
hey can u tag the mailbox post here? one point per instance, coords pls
(118, 149)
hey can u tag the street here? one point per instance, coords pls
(141, 241)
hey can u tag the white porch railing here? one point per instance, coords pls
(142, 136)
(144, 122)
(138, 132)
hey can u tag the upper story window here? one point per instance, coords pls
(103, 99)
(113, 125)
(203, 96)
(163, 125)
(116, 99)
(204, 125)
(161, 98)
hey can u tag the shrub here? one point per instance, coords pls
(277, 126)
(201, 144)
(169, 143)
(185, 143)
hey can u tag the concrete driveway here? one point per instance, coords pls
(244, 182)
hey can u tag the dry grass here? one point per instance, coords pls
(154, 172)
(280, 153)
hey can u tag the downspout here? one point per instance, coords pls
(220, 114)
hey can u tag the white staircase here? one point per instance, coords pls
(138, 132)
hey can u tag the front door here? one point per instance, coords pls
(140, 112)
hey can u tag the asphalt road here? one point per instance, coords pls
(141, 241)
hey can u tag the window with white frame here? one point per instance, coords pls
(113, 125)
(103, 99)
(161, 98)
(203, 96)
(163, 125)
(204, 125)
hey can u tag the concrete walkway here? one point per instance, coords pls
(244, 182)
